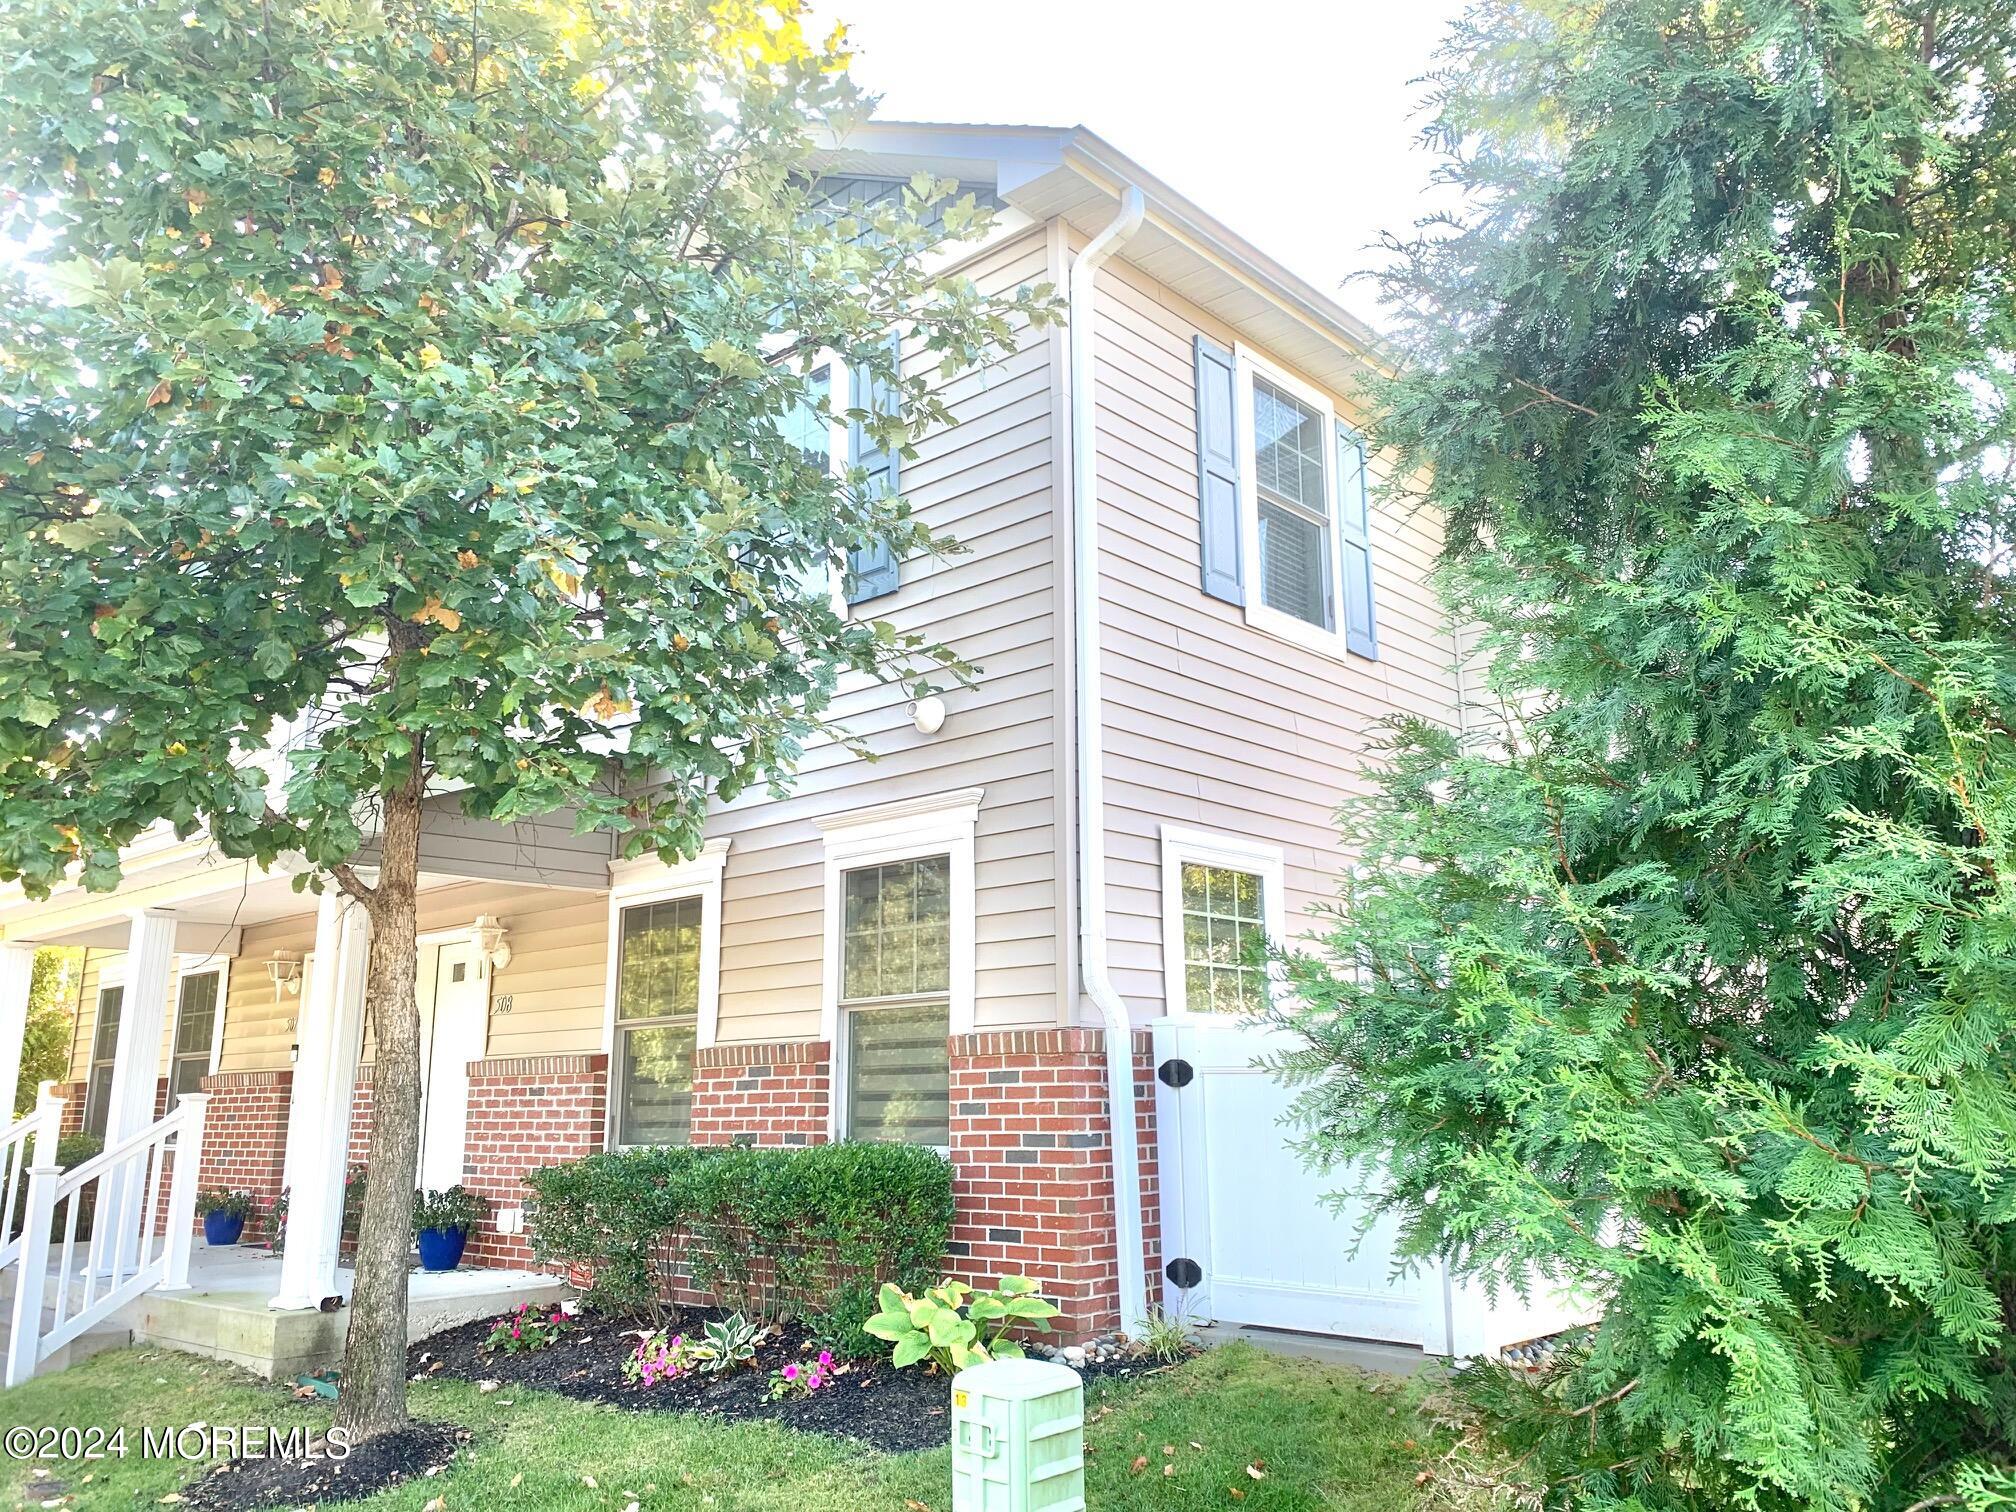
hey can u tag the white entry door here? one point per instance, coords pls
(1249, 1233)
(454, 1018)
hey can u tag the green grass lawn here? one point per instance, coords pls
(1320, 1438)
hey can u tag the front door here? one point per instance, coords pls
(1249, 1233)
(454, 1016)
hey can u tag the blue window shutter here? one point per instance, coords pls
(873, 570)
(1361, 628)
(1217, 473)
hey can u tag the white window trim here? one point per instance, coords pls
(180, 967)
(1182, 844)
(1246, 365)
(649, 880)
(942, 824)
(195, 966)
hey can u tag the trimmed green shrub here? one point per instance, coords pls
(610, 1215)
(773, 1233)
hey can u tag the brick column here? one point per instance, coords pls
(1032, 1167)
(524, 1113)
(72, 1094)
(245, 1138)
(762, 1094)
(360, 1119)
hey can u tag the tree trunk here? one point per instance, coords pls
(373, 1399)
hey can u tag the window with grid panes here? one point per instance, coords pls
(104, 1047)
(196, 1009)
(1223, 913)
(895, 1000)
(657, 1020)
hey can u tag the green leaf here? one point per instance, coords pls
(731, 359)
(910, 1350)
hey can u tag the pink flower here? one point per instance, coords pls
(825, 1359)
(790, 1372)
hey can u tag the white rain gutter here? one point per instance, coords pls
(1092, 763)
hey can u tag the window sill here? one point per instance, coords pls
(1287, 627)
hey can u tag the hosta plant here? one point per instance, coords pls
(729, 1343)
(954, 1326)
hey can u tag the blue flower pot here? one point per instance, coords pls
(222, 1228)
(441, 1249)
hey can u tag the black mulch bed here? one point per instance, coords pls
(872, 1401)
(376, 1464)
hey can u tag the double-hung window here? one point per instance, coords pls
(1291, 492)
(895, 999)
(665, 928)
(899, 962)
(1284, 524)
(657, 1020)
(1222, 898)
(198, 1008)
(104, 1050)
(823, 431)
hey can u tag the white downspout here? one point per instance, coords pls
(1092, 762)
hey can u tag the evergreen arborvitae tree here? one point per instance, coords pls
(1688, 970)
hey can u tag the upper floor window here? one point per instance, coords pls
(821, 430)
(1292, 494)
(1283, 514)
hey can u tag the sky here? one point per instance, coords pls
(1299, 130)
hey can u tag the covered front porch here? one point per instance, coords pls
(225, 1311)
(189, 938)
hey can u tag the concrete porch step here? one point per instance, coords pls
(225, 1315)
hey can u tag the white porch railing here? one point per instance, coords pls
(64, 1286)
(18, 1142)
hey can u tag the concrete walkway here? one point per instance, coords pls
(1363, 1354)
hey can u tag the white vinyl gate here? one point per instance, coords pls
(1258, 1226)
(1250, 1234)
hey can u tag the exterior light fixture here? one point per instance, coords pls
(488, 933)
(928, 714)
(285, 974)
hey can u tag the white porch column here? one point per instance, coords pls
(17, 970)
(136, 1062)
(330, 1036)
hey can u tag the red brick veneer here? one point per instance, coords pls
(245, 1138)
(524, 1113)
(72, 1094)
(762, 1094)
(1032, 1159)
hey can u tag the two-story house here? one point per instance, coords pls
(1024, 918)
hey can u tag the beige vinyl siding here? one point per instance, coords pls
(98, 964)
(558, 943)
(986, 482)
(1211, 723)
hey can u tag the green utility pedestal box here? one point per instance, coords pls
(1018, 1438)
